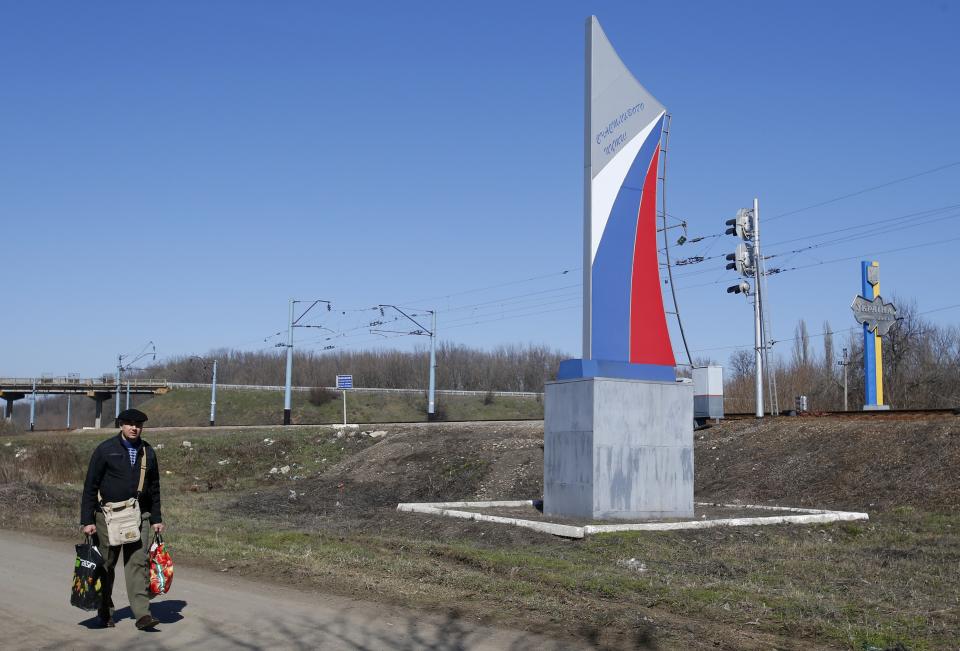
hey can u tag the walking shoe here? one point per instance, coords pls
(147, 621)
(106, 621)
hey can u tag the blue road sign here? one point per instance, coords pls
(344, 381)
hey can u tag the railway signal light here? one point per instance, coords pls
(741, 225)
(742, 260)
(743, 287)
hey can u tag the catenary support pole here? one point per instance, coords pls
(846, 363)
(432, 333)
(757, 338)
(116, 406)
(431, 402)
(213, 396)
(68, 410)
(33, 404)
(128, 394)
(287, 389)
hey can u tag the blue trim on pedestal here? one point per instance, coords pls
(574, 369)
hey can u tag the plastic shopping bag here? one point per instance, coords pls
(87, 590)
(161, 568)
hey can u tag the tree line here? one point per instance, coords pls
(505, 368)
(921, 367)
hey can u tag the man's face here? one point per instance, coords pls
(131, 430)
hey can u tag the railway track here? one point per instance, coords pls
(895, 414)
(904, 414)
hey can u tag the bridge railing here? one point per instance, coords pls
(80, 382)
(107, 382)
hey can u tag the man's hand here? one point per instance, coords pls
(159, 527)
(89, 529)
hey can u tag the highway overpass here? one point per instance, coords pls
(98, 389)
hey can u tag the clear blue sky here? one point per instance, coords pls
(176, 172)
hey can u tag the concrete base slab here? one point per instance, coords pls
(802, 516)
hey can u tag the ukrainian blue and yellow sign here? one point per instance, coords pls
(877, 317)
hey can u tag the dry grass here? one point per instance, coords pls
(891, 581)
(8, 429)
(48, 462)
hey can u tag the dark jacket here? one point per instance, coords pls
(110, 473)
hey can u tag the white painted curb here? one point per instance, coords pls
(805, 516)
(563, 530)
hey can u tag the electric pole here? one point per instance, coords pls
(213, 396)
(213, 387)
(433, 363)
(71, 377)
(289, 379)
(746, 261)
(116, 406)
(421, 330)
(291, 324)
(844, 363)
(33, 404)
(149, 350)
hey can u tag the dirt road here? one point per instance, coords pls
(207, 610)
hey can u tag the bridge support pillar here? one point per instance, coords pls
(9, 397)
(99, 397)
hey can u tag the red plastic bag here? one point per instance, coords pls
(161, 568)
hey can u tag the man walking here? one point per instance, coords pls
(114, 475)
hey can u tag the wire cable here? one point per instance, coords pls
(863, 191)
(832, 261)
(857, 328)
(666, 238)
(504, 284)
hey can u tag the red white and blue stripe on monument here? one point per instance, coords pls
(627, 316)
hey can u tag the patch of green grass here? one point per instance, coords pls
(879, 637)
(852, 530)
(941, 522)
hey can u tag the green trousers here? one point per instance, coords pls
(135, 572)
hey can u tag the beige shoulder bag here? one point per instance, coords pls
(123, 518)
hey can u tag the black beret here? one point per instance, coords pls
(132, 416)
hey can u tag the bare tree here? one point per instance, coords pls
(801, 345)
(828, 360)
(921, 367)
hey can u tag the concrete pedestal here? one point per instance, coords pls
(618, 449)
